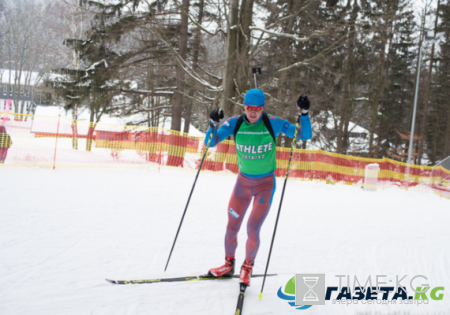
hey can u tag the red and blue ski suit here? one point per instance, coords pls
(261, 187)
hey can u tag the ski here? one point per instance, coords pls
(240, 302)
(180, 279)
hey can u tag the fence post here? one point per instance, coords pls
(319, 168)
(160, 148)
(56, 142)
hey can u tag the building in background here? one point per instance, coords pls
(20, 87)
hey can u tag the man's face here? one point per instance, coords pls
(253, 115)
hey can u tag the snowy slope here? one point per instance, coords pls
(63, 232)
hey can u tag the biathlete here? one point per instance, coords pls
(255, 135)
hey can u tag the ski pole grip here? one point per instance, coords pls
(256, 70)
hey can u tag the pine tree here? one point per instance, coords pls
(399, 88)
(106, 75)
(425, 125)
(439, 137)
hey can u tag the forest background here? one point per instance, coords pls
(357, 60)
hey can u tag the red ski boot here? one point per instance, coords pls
(246, 272)
(225, 270)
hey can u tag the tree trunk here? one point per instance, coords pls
(229, 71)
(447, 138)
(16, 94)
(282, 96)
(400, 114)
(346, 103)
(435, 136)
(195, 48)
(75, 127)
(188, 112)
(374, 117)
(177, 108)
(91, 130)
(386, 75)
(24, 96)
(243, 66)
(345, 137)
(177, 147)
(411, 111)
(427, 95)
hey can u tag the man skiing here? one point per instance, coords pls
(255, 136)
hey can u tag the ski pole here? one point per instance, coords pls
(256, 70)
(190, 195)
(279, 208)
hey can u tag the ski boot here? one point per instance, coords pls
(226, 270)
(246, 272)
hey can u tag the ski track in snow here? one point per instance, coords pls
(63, 232)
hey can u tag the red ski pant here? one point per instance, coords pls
(262, 189)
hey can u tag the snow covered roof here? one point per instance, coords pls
(9, 77)
(357, 143)
(352, 127)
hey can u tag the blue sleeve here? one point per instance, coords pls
(224, 132)
(304, 131)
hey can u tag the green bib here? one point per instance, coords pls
(255, 148)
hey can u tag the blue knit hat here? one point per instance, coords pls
(254, 97)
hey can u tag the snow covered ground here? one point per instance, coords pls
(63, 232)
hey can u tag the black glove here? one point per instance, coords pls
(303, 104)
(216, 115)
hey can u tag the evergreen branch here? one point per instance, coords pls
(193, 98)
(242, 105)
(273, 98)
(141, 92)
(181, 62)
(153, 109)
(307, 61)
(210, 74)
(253, 52)
(292, 36)
(204, 96)
(193, 20)
(290, 15)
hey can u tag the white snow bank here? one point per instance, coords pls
(64, 231)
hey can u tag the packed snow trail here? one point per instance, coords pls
(63, 232)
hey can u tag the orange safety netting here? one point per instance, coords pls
(62, 142)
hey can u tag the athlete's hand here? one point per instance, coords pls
(216, 115)
(303, 104)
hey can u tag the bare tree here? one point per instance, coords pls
(22, 49)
